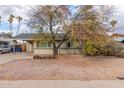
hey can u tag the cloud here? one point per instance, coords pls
(120, 18)
(16, 10)
(6, 10)
(22, 10)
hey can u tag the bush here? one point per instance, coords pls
(110, 49)
(121, 54)
(44, 57)
(90, 49)
(113, 49)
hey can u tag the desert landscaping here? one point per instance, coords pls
(65, 67)
(67, 45)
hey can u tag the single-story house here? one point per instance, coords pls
(5, 39)
(37, 44)
(5, 36)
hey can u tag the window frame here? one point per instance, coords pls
(39, 44)
(71, 44)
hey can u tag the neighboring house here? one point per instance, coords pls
(6, 39)
(40, 45)
(122, 41)
(117, 35)
(5, 36)
(119, 38)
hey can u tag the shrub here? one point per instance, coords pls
(113, 49)
(109, 49)
(89, 49)
(121, 54)
(44, 57)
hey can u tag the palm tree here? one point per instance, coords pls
(0, 20)
(10, 20)
(19, 19)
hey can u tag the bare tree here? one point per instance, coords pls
(51, 19)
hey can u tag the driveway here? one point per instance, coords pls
(4, 58)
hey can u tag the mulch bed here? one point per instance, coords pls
(64, 67)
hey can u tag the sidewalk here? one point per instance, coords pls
(62, 84)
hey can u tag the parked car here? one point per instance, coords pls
(5, 49)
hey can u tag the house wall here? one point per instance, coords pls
(43, 51)
(29, 47)
(60, 51)
(63, 50)
(62, 46)
(35, 44)
(69, 51)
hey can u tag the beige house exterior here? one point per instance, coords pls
(38, 46)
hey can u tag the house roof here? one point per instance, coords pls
(36, 36)
(117, 35)
(5, 36)
(24, 36)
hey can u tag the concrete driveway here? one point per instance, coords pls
(13, 56)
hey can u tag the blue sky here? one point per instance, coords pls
(5, 25)
(5, 11)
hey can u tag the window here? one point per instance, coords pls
(69, 45)
(49, 44)
(42, 45)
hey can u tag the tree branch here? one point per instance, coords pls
(64, 39)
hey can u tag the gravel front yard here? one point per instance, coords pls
(65, 67)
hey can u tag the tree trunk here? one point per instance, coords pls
(55, 50)
(18, 27)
